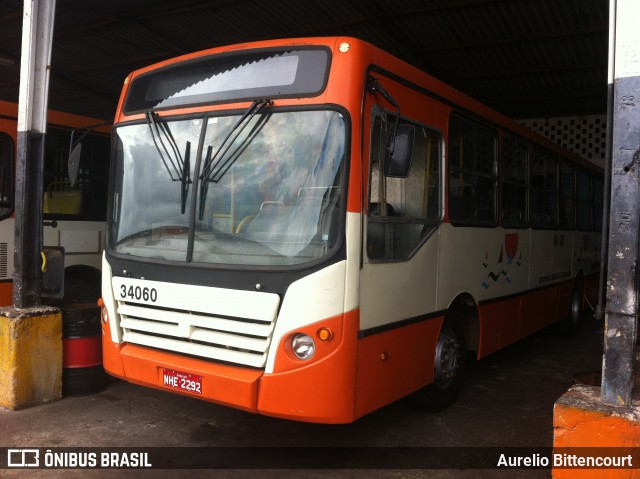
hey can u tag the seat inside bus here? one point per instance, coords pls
(376, 231)
(61, 198)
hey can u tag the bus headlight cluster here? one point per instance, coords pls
(303, 346)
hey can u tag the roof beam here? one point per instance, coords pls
(522, 40)
(526, 72)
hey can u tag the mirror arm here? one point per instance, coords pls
(85, 132)
(374, 86)
(74, 163)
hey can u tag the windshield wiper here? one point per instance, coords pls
(184, 177)
(215, 164)
(238, 128)
(177, 166)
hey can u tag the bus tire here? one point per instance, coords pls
(449, 365)
(77, 290)
(570, 324)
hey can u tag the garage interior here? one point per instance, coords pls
(541, 62)
(533, 60)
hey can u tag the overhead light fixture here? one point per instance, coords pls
(7, 61)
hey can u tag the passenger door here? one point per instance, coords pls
(401, 214)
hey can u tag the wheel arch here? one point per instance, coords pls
(83, 272)
(462, 314)
(82, 283)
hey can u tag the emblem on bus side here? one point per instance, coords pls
(509, 247)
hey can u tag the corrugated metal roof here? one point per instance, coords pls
(525, 58)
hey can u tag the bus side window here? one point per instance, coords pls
(567, 197)
(87, 197)
(473, 173)
(515, 183)
(598, 200)
(402, 210)
(6, 175)
(585, 201)
(544, 191)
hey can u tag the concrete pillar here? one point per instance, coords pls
(30, 356)
(609, 416)
(30, 334)
(35, 64)
(621, 306)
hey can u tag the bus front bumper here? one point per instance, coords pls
(322, 394)
(220, 383)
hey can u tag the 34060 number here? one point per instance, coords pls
(138, 293)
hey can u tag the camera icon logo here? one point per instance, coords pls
(23, 458)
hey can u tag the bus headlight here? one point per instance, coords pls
(303, 346)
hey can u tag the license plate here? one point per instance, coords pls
(182, 381)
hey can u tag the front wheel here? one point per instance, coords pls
(449, 364)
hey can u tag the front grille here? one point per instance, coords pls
(232, 339)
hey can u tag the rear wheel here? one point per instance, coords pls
(80, 291)
(570, 324)
(76, 291)
(449, 364)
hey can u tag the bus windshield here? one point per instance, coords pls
(259, 189)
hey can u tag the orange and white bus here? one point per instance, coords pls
(311, 229)
(74, 215)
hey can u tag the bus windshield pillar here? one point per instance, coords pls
(37, 34)
(621, 310)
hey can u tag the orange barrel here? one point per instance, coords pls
(82, 371)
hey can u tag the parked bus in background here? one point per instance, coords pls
(74, 215)
(311, 229)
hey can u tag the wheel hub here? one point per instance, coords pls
(447, 360)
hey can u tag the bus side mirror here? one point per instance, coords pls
(73, 164)
(52, 279)
(75, 149)
(398, 164)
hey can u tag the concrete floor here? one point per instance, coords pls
(507, 402)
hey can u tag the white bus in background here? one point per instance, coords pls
(73, 215)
